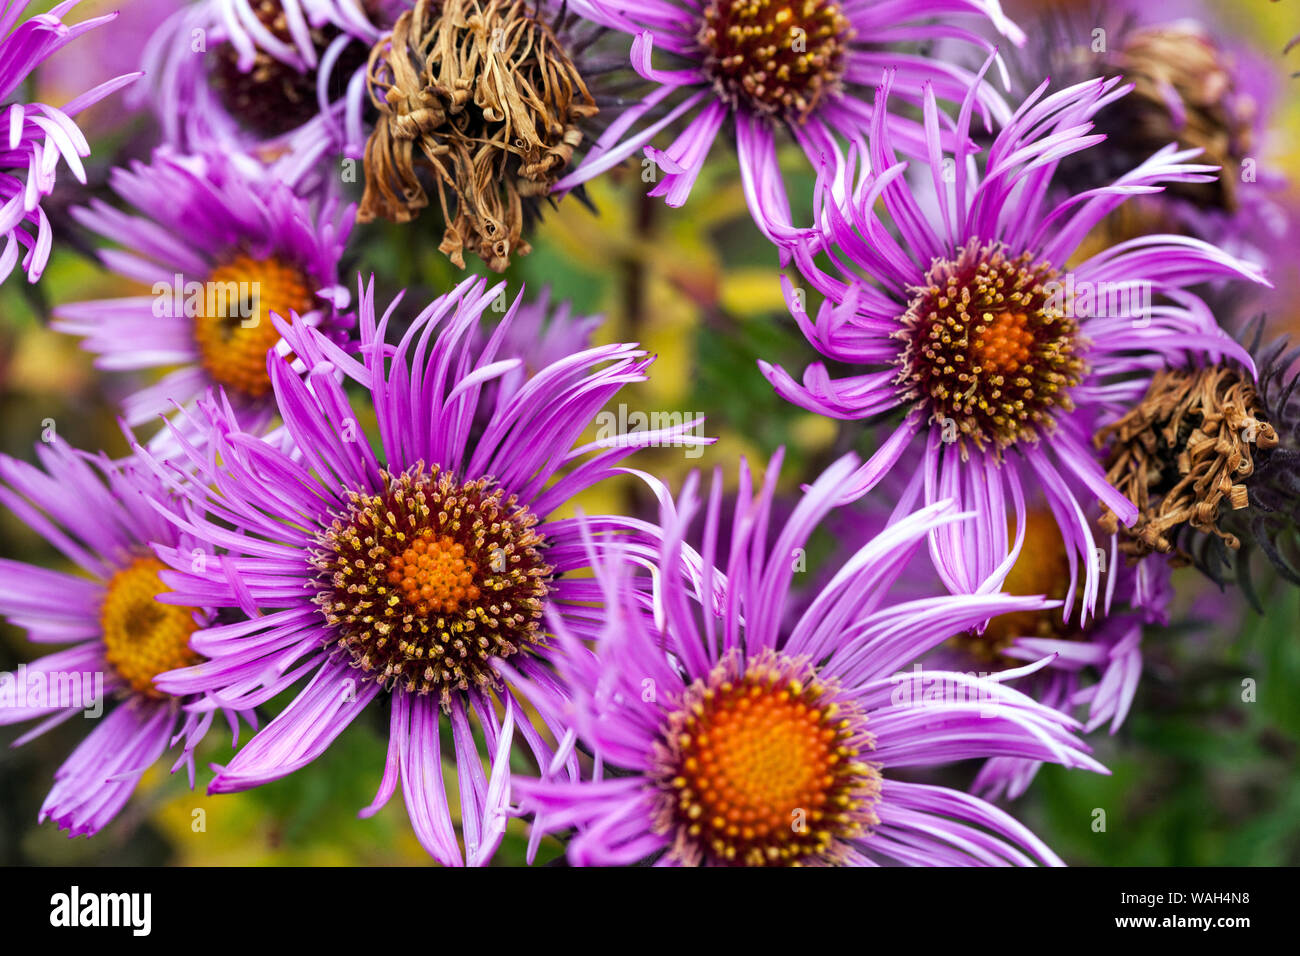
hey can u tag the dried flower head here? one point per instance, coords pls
(1194, 85)
(482, 97)
(1269, 521)
(1184, 92)
(1183, 452)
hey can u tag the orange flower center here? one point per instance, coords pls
(1005, 344)
(434, 575)
(142, 637)
(766, 770)
(233, 328)
(427, 581)
(987, 351)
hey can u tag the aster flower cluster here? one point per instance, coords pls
(337, 500)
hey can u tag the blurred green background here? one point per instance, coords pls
(1199, 775)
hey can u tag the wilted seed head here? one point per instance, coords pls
(987, 349)
(429, 580)
(1271, 524)
(1210, 114)
(1187, 449)
(481, 97)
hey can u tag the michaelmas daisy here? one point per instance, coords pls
(404, 570)
(722, 737)
(972, 317)
(107, 519)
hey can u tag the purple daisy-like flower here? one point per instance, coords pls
(726, 738)
(1108, 647)
(37, 135)
(769, 66)
(1094, 665)
(222, 248)
(410, 569)
(104, 517)
(117, 46)
(1002, 350)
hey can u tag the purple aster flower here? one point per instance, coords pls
(409, 570)
(267, 77)
(118, 47)
(222, 248)
(1002, 350)
(1097, 667)
(771, 67)
(725, 738)
(105, 518)
(38, 135)
(1095, 663)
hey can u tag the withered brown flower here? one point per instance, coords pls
(1183, 452)
(1270, 524)
(481, 98)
